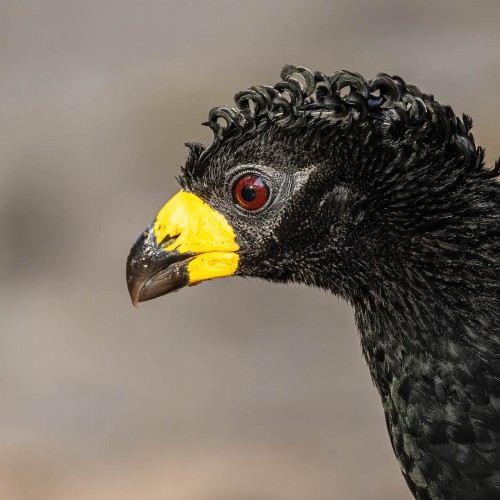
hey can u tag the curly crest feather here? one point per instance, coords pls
(401, 113)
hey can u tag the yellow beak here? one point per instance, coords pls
(189, 242)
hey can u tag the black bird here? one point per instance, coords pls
(375, 191)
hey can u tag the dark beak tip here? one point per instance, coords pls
(133, 285)
(152, 272)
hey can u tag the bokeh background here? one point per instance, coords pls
(234, 390)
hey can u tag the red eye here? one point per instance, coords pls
(251, 192)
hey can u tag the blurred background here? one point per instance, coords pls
(234, 390)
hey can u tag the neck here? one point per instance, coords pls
(431, 339)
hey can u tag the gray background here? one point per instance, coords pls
(234, 390)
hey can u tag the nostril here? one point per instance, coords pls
(167, 241)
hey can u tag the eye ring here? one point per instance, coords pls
(251, 192)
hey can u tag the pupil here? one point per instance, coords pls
(248, 193)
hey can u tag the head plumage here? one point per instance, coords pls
(341, 99)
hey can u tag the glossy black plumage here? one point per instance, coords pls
(380, 196)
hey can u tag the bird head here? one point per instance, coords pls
(302, 183)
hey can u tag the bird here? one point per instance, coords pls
(376, 192)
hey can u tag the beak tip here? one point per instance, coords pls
(133, 289)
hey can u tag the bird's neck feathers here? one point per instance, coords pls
(420, 246)
(427, 306)
(429, 274)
